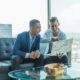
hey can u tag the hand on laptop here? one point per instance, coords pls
(60, 55)
(55, 39)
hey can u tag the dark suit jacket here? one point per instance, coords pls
(22, 44)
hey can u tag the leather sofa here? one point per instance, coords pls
(6, 45)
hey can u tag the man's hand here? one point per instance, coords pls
(34, 55)
(55, 39)
(60, 55)
(37, 54)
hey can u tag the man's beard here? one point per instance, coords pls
(55, 33)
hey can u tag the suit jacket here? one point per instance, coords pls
(22, 44)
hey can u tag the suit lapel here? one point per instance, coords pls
(28, 41)
(33, 44)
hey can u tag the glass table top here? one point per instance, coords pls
(39, 73)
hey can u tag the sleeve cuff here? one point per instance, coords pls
(27, 55)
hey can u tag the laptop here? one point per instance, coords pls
(61, 47)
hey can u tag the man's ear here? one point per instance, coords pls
(30, 28)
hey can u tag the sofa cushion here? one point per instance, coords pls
(4, 76)
(6, 45)
(26, 65)
(5, 66)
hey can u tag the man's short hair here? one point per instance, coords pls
(33, 22)
(53, 19)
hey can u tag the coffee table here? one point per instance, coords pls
(71, 73)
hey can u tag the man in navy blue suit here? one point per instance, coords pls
(26, 46)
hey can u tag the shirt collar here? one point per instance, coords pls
(31, 35)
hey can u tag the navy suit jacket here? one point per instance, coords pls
(22, 44)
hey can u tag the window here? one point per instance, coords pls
(20, 12)
(68, 13)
